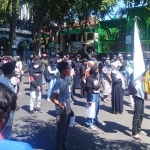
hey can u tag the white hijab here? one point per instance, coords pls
(114, 67)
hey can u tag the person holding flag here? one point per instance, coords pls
(138, 85)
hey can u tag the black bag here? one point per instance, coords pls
(48, 77)
(132, 89)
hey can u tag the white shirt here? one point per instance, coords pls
(139, 88)
(52, 71)
(19, 64)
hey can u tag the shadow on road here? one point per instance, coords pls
(126, 103)
(52, 113)
(106, 108)
(80, 103)
(147, 107)
(28, 94)
(41, 135)
(77, 95)
(26, 89)
(113, 127)
(146, 116)
(26, 108)
(26, 83)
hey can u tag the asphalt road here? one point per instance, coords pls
(39, 129)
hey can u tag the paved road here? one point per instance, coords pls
(39, 129)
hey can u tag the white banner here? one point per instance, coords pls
(138, 60)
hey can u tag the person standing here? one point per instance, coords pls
(60, 97)
(53, 72)
(76, 78)
(129, 71)
(83, 76)
(93, 89)
(43, 63)
(106, 80)
(100, 67)
(35, 86)
(118, 87)
(138, 110)
(19, 65)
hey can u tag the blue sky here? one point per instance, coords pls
(119, 5)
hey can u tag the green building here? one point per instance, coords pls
(110, 35)
(117, 35)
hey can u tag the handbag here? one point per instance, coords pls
(72, 119)
(90, 110)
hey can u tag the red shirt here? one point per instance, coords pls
(87, 73)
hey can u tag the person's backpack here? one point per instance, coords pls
(48, 77)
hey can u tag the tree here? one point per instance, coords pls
(8, 13)
(82, 11)
(44, 12)
(12, 19)
(57, 12)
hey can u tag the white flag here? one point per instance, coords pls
(138, 60)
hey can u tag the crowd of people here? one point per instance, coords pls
(63, 75)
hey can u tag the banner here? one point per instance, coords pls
(138, 60)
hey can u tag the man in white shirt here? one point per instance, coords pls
(19, 65)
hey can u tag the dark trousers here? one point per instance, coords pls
(63, 121)
(138, 115)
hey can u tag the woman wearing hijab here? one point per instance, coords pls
(118, 87)
(83, 76)
(106, 80)
(100, 67)
(92, 89)
(76, 78)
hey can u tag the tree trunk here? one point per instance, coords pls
(13, 22)
(36, 36)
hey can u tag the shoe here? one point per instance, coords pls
(92, 127)
(137, 137)
(39, 110)
(143, 133)
(17, 108)
(48, 99)
(100, 123)
(31, 112)
(105, 101)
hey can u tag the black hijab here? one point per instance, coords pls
(93, 71)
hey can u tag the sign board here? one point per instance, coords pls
(76, 48)
(128, 39)
(75, 45)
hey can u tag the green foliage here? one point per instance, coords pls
(83, 9)
(4, 6)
